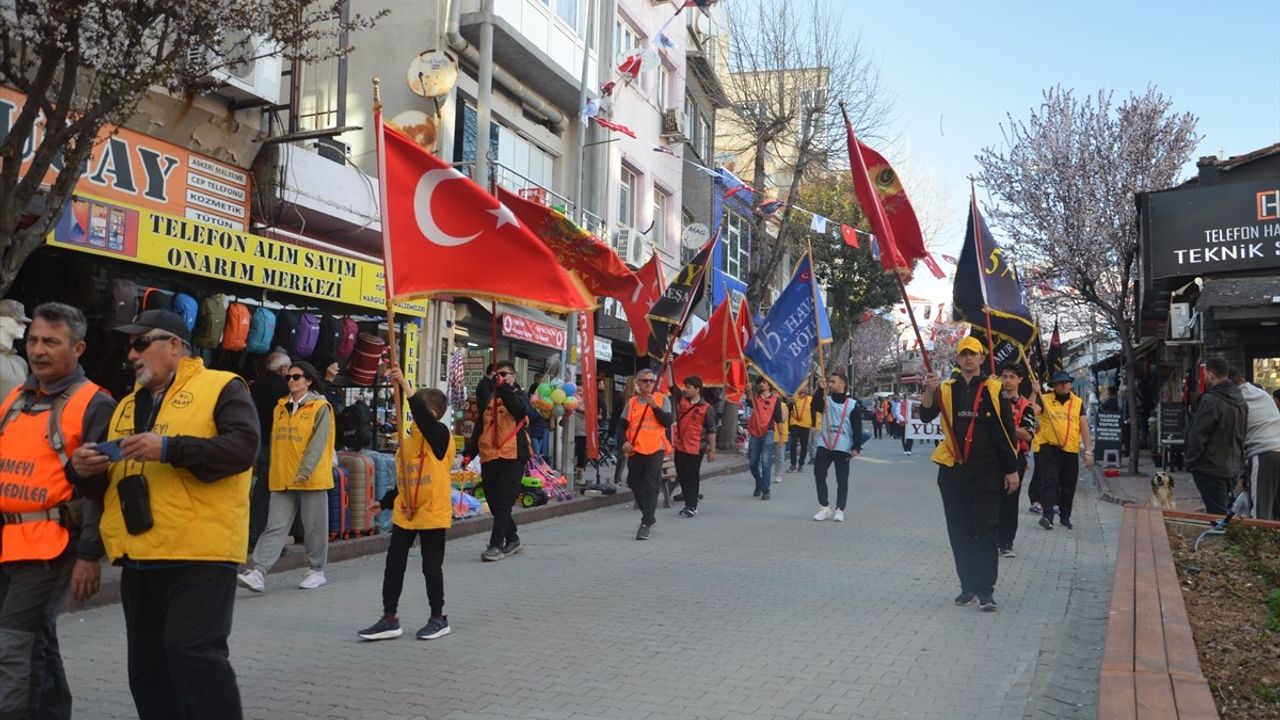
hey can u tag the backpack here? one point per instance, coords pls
(286, 335)
(261, 330)
(355, 426)
(237, 322)
(347, 334)
(308, 335)
(186, 306)
(326, 350)
(124, 303)
(211, 323)
(157, 299)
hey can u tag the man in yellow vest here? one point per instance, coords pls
(176, 518)
(49, 515)
(1063, 428)
(645, 420)
(977, 464)
(801, 424)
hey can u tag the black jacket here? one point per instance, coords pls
(1215, 437)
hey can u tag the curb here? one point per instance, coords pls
(295, 557)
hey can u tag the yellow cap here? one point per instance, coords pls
(971, 344)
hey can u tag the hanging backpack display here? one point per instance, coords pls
(261, 330)
(157, 299)
(363, 368)
(308, 335)
(211, 322)
(347, 333)
(237, 323)
(187, 308)
(124, 303)
(326, 350)
(286, 335)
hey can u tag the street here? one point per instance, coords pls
(750, 610)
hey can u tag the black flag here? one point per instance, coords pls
(986, 286)
(1055, 352)
(683, 292)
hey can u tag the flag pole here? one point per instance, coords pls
(678, 329)
(817, 321)
(982, 281)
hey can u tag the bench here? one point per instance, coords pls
(1150, 669)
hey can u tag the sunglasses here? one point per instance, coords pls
(645, 380)
(144, 342)
(296, 376)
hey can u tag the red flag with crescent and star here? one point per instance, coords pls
(646, 294)
(442, 234)
(712, 352)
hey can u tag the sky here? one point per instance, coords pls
(956, 70)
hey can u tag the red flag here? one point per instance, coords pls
(616, 127)
(933, 266)
(601, 270)
(711, 350)
(737, 382)
(631, 66)
(590, 409)
(850, 236)
(441, 234)
(638, 304)
(886, 206)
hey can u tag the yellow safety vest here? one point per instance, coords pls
(946, 453)
(419, 469)
(194, 520)
(290, 435)
(802, 415)
(1060, 423)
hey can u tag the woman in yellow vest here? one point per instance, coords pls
(801, 424)
(302, 437)
(422, 508)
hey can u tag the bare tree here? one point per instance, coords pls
(1063, 191)
(790, 64)
(86, 64)
(870, 346)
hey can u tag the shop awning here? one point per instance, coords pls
(1112, 362)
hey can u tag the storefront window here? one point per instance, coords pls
(1266, 373)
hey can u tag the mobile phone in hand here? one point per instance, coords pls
(111, 449)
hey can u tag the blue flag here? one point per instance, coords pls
(784, 343)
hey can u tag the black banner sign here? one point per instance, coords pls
(1220, 228)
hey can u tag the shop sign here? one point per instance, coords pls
(530, 330)
(604, 349)
(1214, 229)
(133, 168)
(129, 232)
(1107, 435)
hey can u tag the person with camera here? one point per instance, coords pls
(49, 543)
(501, 440)
(176, 516)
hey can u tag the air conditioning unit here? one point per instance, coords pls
(259, 78)
(632, 246)
(673, 122)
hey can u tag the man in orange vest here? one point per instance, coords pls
(644, 426)
(695, 432)
(49, 539)
(501, 439)
(766, 412)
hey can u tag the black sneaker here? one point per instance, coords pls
(435, 628)
(687, 512)
(1007, 552)
(512, 548)
(965, 598)
(493, 553)
(678, 497)
(384, 629)
(1046, 523)
(1065, 522)
(764, 495)
(986, 603)
(642, 533)
(756, 493)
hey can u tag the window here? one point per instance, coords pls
(520, 163)
(660, 93)
(737, 242)
(464, 149)
(568, 12)
(707, 148)
(624, 38)
(627, 198)
(659, 234)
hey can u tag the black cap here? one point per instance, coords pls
(169, 322)
(1060, 376)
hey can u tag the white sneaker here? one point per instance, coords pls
(839, 516)
(252, 579)
(313, 580)
(823, 514)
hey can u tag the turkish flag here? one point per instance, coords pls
(442, 234)
(712, 351)
(933, 266)
(637, 305)
(850, 236)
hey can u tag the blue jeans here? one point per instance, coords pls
(760, 457)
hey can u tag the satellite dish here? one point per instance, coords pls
(432, 74)
(695, 235)
(419, 126)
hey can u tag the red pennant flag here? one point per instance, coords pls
(886, 206)
(850, 236)
(950, 259)
(646, 294)
(933, 266)
(631, 66)
(599, 267)
(616, 127)
(441, 233)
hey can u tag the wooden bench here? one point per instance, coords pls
(1150, 669)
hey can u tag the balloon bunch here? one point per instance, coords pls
(556, 398)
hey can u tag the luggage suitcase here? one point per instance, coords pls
(361, 473)
(339, 504)
(384, 478)
(362, 369)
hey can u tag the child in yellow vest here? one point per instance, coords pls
(422, 508)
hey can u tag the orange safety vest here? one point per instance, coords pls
(33, 471)
(506, 445)
(689, 421)
(762, 415)
(646, 435)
